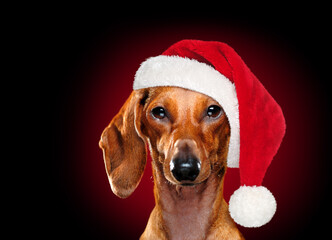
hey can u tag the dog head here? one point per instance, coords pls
(187, 132)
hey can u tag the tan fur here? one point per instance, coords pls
(181, 212)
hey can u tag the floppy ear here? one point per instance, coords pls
(123, 149)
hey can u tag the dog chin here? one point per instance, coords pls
(183, 183)
(188, 184)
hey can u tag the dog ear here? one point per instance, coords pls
(124, 150)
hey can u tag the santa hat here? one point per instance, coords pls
(256, 120)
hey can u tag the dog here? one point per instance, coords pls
(188, 135)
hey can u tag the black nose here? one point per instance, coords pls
(185, 169)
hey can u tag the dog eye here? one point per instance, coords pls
(214, 111)
(159, 112)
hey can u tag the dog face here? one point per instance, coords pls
(187, 132)
(184, 128)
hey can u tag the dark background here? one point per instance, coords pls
(86, 62)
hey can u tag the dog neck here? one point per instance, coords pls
(189, 212)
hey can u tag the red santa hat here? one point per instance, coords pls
(256, 121)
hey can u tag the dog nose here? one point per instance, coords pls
(185, 169)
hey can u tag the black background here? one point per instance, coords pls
(61, 49)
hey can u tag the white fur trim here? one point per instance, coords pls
(200, 77)
(252, 206)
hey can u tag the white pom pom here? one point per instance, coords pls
(252, 206)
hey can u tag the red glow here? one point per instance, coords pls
(292, 176)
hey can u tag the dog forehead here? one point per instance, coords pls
(179, 97)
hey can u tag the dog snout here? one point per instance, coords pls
(185, 164)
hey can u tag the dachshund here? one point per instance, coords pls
(188, 135)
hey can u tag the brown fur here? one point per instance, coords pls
(181, 212)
